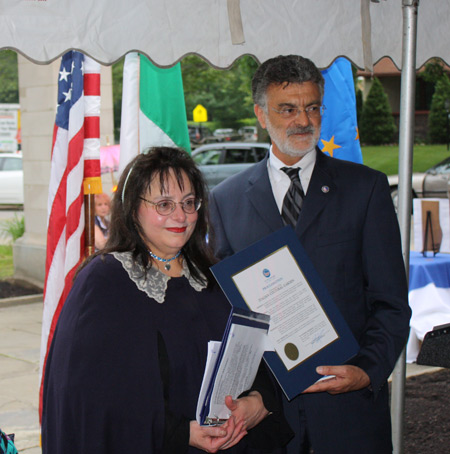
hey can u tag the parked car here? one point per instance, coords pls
(218, 161)
(198, 133)
(248, 133)
(432, 183)
(226, 135)
(11, 179)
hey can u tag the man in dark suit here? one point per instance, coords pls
(344, 217)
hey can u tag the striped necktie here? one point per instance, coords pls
(293, 200)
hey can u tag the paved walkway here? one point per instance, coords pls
(20, 337)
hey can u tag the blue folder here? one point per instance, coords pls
(238, 316)
(296, 380)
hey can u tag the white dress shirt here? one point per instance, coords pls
(280, 182)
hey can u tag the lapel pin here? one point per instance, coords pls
(325, 189)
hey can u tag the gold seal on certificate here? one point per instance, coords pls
(291, 351)
(276, 286)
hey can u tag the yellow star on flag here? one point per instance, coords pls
(357, 133)
(329, 146)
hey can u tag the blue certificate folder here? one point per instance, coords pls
(243, 317)
(297, 379)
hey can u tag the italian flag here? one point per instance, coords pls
(153, 108)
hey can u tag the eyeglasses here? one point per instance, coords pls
(313, 111)
(166, 207)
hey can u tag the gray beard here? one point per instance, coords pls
(285, 147)
(290, 151)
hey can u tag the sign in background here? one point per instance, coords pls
(9, 127)
(200, 114)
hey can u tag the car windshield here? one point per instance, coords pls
(223, 132)
(442, 167)
(7, 163)
(207, 157)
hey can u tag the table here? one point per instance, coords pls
(429, 297)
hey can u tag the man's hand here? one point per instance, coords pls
(346, 378)
(249, 409)
(213, 438)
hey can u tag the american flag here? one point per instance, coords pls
(75, 159)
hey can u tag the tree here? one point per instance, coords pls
(226, 94)
(359, 104)
(9, 88)
(117, 82)
(377, 124)
(438, 117)
(434, 71)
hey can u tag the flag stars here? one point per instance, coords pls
(68, 95)
(329, 146)
(64, 75)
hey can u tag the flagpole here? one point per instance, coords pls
(92, 183)
(89, 229)
(406, 143)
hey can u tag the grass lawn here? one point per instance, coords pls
(6, 261)
(385, 158)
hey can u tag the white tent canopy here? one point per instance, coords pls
(43, 30)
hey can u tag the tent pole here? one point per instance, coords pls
(406, 142)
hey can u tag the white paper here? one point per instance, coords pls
(211, 360)
(237, 370)
(299, 327)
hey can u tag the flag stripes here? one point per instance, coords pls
(153, 108)
(92, 127)
(92, 172)
(65, 234)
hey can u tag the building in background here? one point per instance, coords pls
(390, 77)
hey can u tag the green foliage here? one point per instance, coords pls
(117, 79)
(438, 117)
(6, 261)
(212, 125)
(9, 88)
(226, 94)
(252, 121)
(13, 228)
(359, 104)
(377, 125)
(434, 70)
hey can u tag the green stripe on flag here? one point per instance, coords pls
(162, 100)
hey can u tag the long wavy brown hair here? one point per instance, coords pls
(126, 233)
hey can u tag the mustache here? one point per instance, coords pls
(300, 130)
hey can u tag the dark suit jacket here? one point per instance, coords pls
(349, 229)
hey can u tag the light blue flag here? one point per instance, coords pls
(339, 137)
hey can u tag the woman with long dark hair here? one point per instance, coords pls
(127, 359)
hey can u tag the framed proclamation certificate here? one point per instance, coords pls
(275, 276)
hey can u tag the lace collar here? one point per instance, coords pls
(152, 281)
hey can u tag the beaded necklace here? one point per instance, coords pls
(166, 261)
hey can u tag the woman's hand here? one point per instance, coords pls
(249, 409)
(213, 438)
